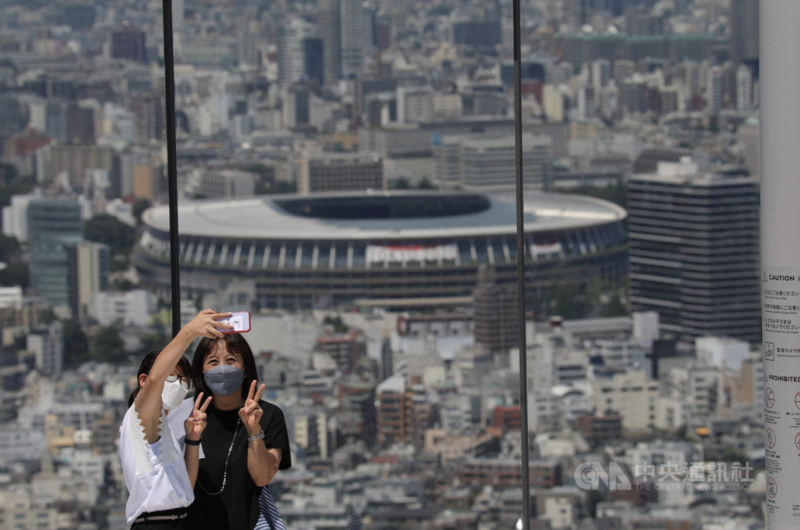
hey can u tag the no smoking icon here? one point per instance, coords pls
(769, 398)
(772, 439)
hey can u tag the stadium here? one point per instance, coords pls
(396, 250)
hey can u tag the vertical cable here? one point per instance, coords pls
(523, 350)
(172, 169)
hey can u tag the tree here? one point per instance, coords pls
(76, 346)
(338, 324)
(15, 273)
(110, 231)
(139, 207)
(614, 307)
(426, 184)
(400, 184)
(108, 346)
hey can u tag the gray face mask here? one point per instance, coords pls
(224, 380)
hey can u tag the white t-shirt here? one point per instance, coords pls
(155, 474)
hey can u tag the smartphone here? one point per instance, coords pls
(240, 320)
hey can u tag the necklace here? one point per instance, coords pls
(225, 473)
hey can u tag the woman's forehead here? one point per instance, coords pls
(219, 348)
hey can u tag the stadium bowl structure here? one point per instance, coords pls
(399, 250)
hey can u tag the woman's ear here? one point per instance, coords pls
(142, 379)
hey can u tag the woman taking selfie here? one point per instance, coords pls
(245, 441)
(159, 478)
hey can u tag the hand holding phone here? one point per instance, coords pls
(240, 320)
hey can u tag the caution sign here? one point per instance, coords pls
(781, 353)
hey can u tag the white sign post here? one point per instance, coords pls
(780, 257)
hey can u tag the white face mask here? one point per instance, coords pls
(173, 394)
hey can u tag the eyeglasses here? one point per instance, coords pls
(185, 381)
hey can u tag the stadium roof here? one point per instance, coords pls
(382, 215)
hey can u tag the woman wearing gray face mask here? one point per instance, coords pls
(245, 442)
(159, 478)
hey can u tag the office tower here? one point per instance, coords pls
(80, 125)
(640, 22)
(692, 78)
(623, 70)
(129, 44)
(714, 90)
(484, 33)
(495, 309)
(326, 172)
(149, 116)
(53, 226)
(88, 272)
(744, 89)
(601, 74)
(328, 16)
(47, 346)
(694, 251)
(368, 13)
(476, 161)
(352, 37)
(55, 119)
(296, 106)
(248, 50)
(313, 60)
(291, 53)
(744, 30)
(147, 181)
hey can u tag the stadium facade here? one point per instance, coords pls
(398, 250)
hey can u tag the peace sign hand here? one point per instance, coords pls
(251, 413)
(196, 422)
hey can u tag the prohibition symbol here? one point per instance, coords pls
(772, 487)
(797, 400)
(797, 441)
(769, 398)
(772, 439)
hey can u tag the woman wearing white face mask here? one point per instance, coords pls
(159, 478)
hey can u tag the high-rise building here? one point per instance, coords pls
(291, 51)
(352, 37)
(601, 74)
(714, 90)
(496, 316)
(47, 346)
(328, 17)
(129, 44)
(296, 106)
(744, 89)
(314, 60)
(744, 30)
(694, 251)
(325, 172)
(53, 226)
(749, 134)
(80, 125)
(475, 161)
(483, 33)
(404, 412)
(88, 271)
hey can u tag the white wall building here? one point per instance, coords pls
(632, 395)
(129, 308)
(15, 217)
(10, 296)
(722, 352)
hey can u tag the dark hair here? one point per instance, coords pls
(235, 344)
(147, 364)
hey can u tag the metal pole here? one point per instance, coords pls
(172, 169)
(523, 350)
(780, 257)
